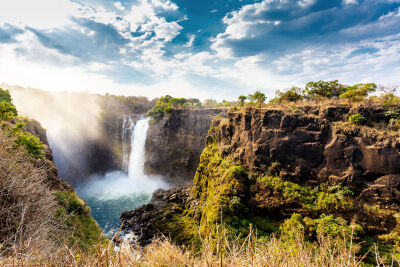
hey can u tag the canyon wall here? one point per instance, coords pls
(313, 145)
(260, 167)
(84, 130)
(175, 142)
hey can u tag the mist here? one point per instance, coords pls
(83, 129)
(117, 184)
(71, 121)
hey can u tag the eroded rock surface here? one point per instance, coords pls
(174, 144)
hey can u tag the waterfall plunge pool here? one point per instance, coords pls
(113, 193)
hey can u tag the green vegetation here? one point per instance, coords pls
(325, 225)
(166, 104)
(319, 90)
(31, 143)
(8, 111)
(358, 119)
(327, 89)
(258, 98)
(5, 96)
(242, 99)
(293, 94)
(357, 92)
(275, 192)
(76, 215)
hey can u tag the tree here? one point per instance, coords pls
(7, 111)
(258, 98)
(5, 96)
(209, 103)
(158, 110)
(194, 101)
(242, 98)
(357, 92)
(177, 102)
(290, 95)
(323, 89)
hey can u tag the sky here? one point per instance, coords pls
(204, 49)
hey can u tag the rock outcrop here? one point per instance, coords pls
(145, 221)
(47, 162)
(261, 166)
(174, 143)
(311, 146)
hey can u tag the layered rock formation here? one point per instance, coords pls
(174, 143)
(311, 146)
(261, 166)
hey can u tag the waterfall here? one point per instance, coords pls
(111, 194)
(127, 128)
(137, 155)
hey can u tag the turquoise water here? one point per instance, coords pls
(107, 212)
(110, 195)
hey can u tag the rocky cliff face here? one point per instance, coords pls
(174, 144)
(264, 166)
(84, 130)
(47, 162)
(311, 146)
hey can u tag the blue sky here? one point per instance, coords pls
(207, 48)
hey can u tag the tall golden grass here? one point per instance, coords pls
(214, 252)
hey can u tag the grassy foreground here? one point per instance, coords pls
(276, 251)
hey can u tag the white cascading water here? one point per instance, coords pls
(131, 179)
(110, 194)
(126, 135)
(137, 155)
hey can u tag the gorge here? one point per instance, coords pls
(111, 194)
(189, 172)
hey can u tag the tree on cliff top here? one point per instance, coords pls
(242, 98)
(289, 95)
(5, 96)
(357, 92)
(7, 109)
(327, 89)
(258, 98)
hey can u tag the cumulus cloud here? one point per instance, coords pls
(274, 26)
(42, 14)
(141, 47)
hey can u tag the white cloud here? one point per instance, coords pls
(167, 30)
(190, 41)
(119, 6)
(350, 2)
(165, 4)
(306, 3)
(348, 63)
(41, 14)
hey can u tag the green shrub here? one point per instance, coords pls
(323, 89)
(293, 94)
(258, 98)
(72, 202)
(357, 92)
(326, 225)
(5, 96)
(86, 231)
(357, 119)
(168, 110)
(313, 199)
(7, 111)
(31, 143)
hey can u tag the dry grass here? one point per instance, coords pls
(27, 206)
(220, 252)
